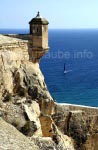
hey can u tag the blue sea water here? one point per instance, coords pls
(14, 31)
(78, 50)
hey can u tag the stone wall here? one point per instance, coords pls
(37, 45)
(89, 110)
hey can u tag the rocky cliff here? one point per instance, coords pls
(29, 118)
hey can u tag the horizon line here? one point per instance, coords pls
(49, 28)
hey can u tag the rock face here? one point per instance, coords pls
(22, 87)
(78, 122)
(25, 101)
(10, 138)
(48, 144)
(26, 104)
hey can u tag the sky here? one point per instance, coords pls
(60, 14)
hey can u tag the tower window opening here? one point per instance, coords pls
(37, 30)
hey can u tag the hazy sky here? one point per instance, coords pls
(60, 13)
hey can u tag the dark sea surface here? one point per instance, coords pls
(14, 31)
(78, 50)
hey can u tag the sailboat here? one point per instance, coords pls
(66, 71)
(64, 68)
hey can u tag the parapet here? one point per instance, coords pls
(13, 49)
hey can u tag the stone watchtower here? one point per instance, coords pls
(39, 37)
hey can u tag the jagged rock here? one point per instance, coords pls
(72, 123)
(92, 137)
(7, 96)
(47, 126)
(92, 142)
(44, 143)
(49, 129)
(21, 82)
(33, 92)
(29, 128)
(11, 138)
(26, 104)
(46, 106)
(21, 101)
(32, 126)
(14, 114)
(61, 119)
(77, 127)
(48, 144)
(78, 122)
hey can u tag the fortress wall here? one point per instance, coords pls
(20, 36)
(71, 107)
(12, 51)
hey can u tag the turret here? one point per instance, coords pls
(39, 36)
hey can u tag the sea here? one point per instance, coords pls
(70, 67)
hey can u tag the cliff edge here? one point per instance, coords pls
(29, 118)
